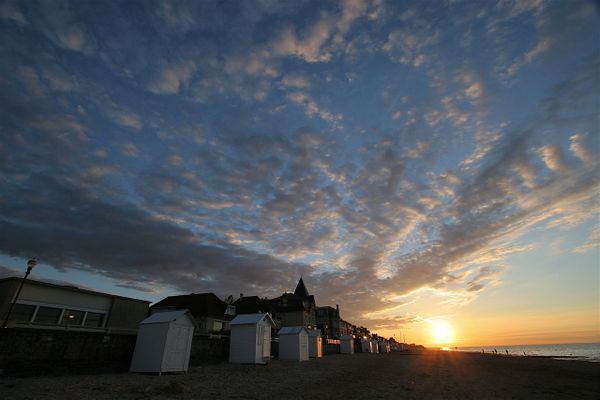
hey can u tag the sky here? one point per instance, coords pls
(431, 167)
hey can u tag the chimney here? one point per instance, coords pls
(241, 295)
(337, 307)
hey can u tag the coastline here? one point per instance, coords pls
(429, 374)
(561, 351)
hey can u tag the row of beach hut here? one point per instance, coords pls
(165, 338)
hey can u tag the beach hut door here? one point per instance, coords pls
(266, 337)
(177, 347)
(260, 340)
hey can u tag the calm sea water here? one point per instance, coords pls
(571, 351)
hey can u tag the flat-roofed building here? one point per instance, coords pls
(51, 306)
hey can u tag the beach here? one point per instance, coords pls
(429, 374)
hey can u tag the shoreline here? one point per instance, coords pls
(566, 358)
(429, 374)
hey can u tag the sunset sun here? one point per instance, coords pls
(442, 332)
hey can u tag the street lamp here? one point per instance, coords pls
(30, 264)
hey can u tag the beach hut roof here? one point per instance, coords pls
(346, 337)
(249, 319)
(167, 316)
(314, 332)
(291, 330)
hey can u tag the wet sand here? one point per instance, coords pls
(427, 375)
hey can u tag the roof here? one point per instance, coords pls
(291, 330)
(289, 302)
(70, 288)
(251, 305)
(199, 304)
(165, 316)
(301, 289)
(314, 332)
(249, 319)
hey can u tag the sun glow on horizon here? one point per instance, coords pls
(442, 332)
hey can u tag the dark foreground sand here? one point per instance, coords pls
(428, 375)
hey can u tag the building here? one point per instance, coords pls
(51, 306)
(211, 313)
(346, 328)
(251, 305)
(328, 321)
(295, 309)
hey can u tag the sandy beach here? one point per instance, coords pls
(427, 375)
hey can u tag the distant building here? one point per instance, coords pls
(51, 306)
(252, 305)
(211, 313)
(346, 328)
(295, 309)
(328, 321)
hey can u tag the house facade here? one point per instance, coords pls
(45, 305)
(211, 313)
(295, 309)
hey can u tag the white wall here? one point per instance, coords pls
(149, 348)
(63, 297)
(293, 347)
(242, 346)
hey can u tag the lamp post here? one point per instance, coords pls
(30, 264)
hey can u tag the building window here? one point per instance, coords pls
(22, 312)
(217, 326)
(230, 310)
(47, 315)
(72, 317)
(94, 320)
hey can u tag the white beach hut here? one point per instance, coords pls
(293, 343)
(374, 346)
(366, 346)
(346, 344)
(384, 347)
(250, 341)
(315, 344)
(164, 342)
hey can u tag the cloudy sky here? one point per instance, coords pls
(415, 162)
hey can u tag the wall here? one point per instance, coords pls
(30, 352)
(7, 291)
(63, 297)
(126, 314)
(34, 352)
(331, 346)
(295, 318)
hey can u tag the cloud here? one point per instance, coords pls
(553, 158)
(318, 41)
(171, 78)
(410, 46)
(592, 243)
(125, 118)
(311, 108)
(580, 149)
(10, 11)
(295, 80)
(309, 47)
(57, 22)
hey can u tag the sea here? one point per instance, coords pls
(570, 351)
